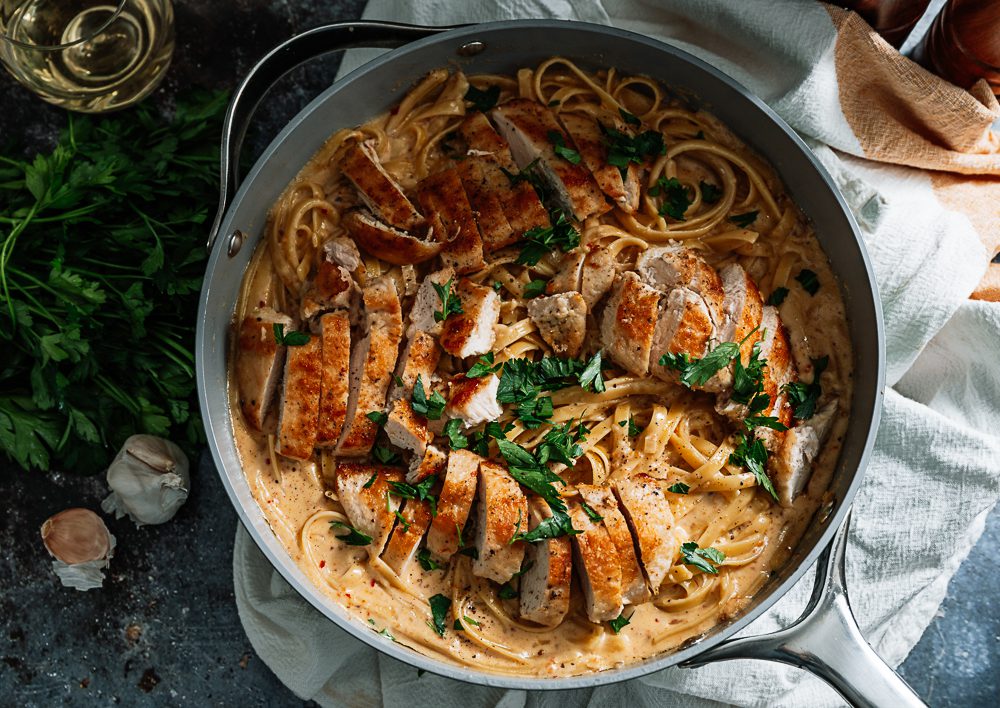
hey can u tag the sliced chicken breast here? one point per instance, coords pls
(427, 302)
(482, 139)
(378, 190)
(780, 370)
(443, 199)
(474, 400)
(545, 584)
(419, 359)
(590, 142)
(597, 566)
(332, 288)
(387, 242)
(792, 465)
(299, 413)
(502, 511)
(372, 364)
(405, 429)
(684, 327)
(363, 491)
(406, 536)
(742, 307)
(484, 183)
(629, 323)
(643, 501)
(432, 462)
(532, 132)
(471, 332)
(561, 320)
(597, 275)
(260, 361)
(343, 252)
(454, 503)
(602, 500)
(524, 209)
(335, 333)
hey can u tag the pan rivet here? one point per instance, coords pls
(470, 49)
(235, 243)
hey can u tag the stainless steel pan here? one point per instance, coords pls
(826, 640)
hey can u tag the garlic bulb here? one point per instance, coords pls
(81, 545)
(149, 480)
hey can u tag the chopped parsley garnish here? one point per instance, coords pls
(397, 379)
(777, 296)
(530, 175)
(554, 102)
(353, 537)
(453, 431)
(450, 303)
(706, 560)
(507, 592)
(629, 118)
(535, 411)
(591, 514)
(748, 381)
(439, 613)
(710, 194)
(479, 441)
(679, 488)
(384, 632)
(542, 240)
(420, 491)
(426, 561)
(696, 372)
(457, 626)
(633, 429)
(590, 378)
(559, 524)
(752, 455)
(431, 408)
(523, 380)
(805, 396)
(371, 481)
(624, 148)
(377, 417)
(744, 220)
(497, 285)
(808, 280)
(289, 339)
(483, 99)
(676, 199)
(619, 623)
(384, 455)
(533, 289)
(483, 367)
(560, 148)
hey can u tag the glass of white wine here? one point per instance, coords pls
(87, 55)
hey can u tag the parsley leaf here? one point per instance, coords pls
(377, 417)
(633, 429)
(452, 430)
(542, 240)
(804, 397)
(353, 537)
(560, 148)
(710, 194)
(507, 592)
(624, 148)
(439, 613)
(431, 408)
(808, 280)
(419, 492)
(529, 472)
(675, 197)
(483, 367)
(371, 481)
(591, 514)
(426, 561)
(629, 118)
(590, 378)
(744, 220)
(450, 302)
(697, 372)
(533, 289)
(777, 296)
(679, 488)
(559, 524)
(752, 455)
(483, 99)
(706, 560)
(289, 339)
(459, 627)
(384, 455)
(748, 380)
(619, 623)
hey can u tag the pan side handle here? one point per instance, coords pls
(278, 62)
(826, 641)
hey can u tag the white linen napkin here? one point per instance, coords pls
(935, 473)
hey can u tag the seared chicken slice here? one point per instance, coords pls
(780, 370)
(597, 566)
(669, 267)
(523, 208)
(482, 139)
(684, 327)
(590, 143)
(419, 359)
(427, 302)
(532, 133)
(643, 501)
(454, 503)
(343, 252)
(299, 413)
(474, 400)
(483, 186)
(406, 429)
(432, 462)
(406, 536)
(363, 491)
(561, 320)
(378, 190)
(332, 288)
(792, 465)
(471, 332)
(372, 363)
(387, 242)
(260, 361)
(742, 309)
(590, 270)
(602, 500)
(443, 199)
(502, 513)
(629, 323)
(335, 332)
(545, 584)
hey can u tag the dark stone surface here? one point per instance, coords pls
(164, 629)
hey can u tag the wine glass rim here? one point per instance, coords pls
(58, 47)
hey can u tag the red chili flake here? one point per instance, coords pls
(322, 564)
(267, 460)
(261, 304)
(373, 582)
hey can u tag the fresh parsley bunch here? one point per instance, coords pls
(101, 264)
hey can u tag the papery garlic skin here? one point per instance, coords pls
(149, 480)
(81, 545)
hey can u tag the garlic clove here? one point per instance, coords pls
(149, 480)
(81, 545)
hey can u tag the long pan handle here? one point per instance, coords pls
(278, 62)
(826, 641)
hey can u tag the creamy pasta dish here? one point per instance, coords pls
(542, 373)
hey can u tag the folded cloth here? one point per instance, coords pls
(920, 167)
